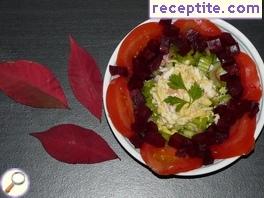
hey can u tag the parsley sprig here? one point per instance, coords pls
(173, 100)
(176, 82)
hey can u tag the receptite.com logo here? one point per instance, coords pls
(205, 9)
(14, 183)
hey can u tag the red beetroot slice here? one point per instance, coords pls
(118, 70)
(31, 84)
(225, 47)
(165, 45)
(233, 111)
(155, 63)
(170, 31)
(233, 49)
(183, 45)
(144, 64)
(184, 146)
(139, 127)
(153, 45)
(228, 44)
(142, 113)
(152, 135)
(221, 110)
(179, 141)
(224, 124)
(85, 79)
(149, 59)
(227, 39)
(214, 45)
(233, 84)
(75, 145)
(135, 82)
(248, 106)
(166, 23)
(207, 157)
(150, 51)
(140, 67)
(147, 54)
(136, 140)
(232, 69)
(137, 97)
(225, 58)
(234, 87)
(187, 147)
(196, 41)
(209, 137)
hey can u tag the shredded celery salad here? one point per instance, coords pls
(184, 91)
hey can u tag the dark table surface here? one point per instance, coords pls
(38, 30)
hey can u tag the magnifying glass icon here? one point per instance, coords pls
(17, 178)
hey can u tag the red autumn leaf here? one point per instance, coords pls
(85, 79)
(31, 84)
(75, 145)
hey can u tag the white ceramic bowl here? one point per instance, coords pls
(246, 46)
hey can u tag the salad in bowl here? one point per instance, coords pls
(184, 96)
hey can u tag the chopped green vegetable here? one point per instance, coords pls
(146, 91)
(221, 99)
(195, 126)
(204, 64)
(222, 90)
(206, 61)
(166, 136)
(214, 74)
(187, 133)
(202, 122)
(148, 85)
(191, 58)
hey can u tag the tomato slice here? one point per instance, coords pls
(240, 141)
(136, 41)
(249, 77)
(119, 106)
(164, 161)
(203, 26)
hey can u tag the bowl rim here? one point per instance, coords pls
(245, 46)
